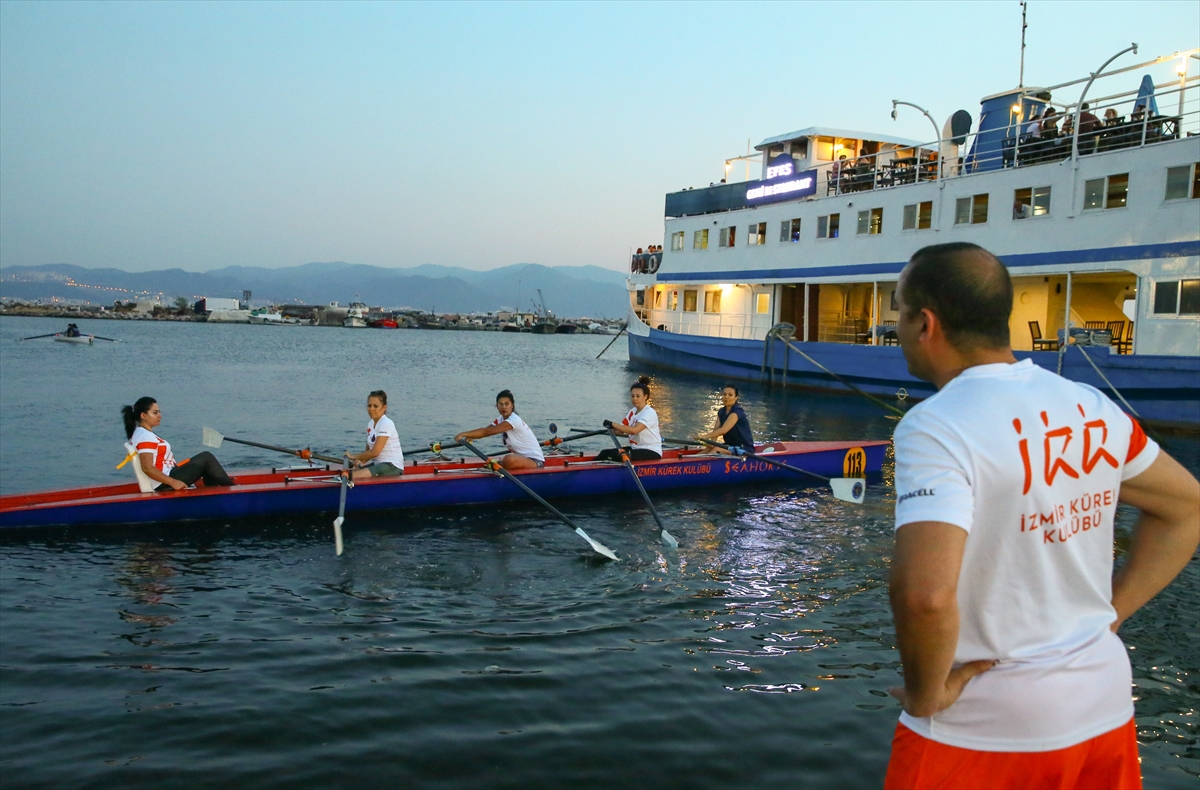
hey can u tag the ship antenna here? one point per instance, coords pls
(1021, 79)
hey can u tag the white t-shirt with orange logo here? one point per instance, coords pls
(391, 453)
(150, 443)
(649, 437)
(1030, 465)
(520, 439)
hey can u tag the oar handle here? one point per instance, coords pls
(557, 440)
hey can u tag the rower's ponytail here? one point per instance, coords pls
(131, 414)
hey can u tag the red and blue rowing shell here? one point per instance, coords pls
(432, 485)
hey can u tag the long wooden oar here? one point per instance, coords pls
(600, 548)
(847, 489)
(35, 337)
(213, 439)
(667, 538)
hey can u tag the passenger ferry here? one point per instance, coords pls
(1095, 210)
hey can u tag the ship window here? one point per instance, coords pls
(1110, 192)
(918, 216)
(870, 222)
(641, 297)
(700, 240)
(689, 301)
(677, 241)
(825, 149)
(789, 230)
(673, 300)
(1177, 297)
(1183, 182)
(1031, 202)
(712, 301)
(757, 234)
(827, 227)
(658, 299)
(762, 303)
(971, 210)
(728, 236)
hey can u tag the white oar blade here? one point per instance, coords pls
(559, 428)
(669, 540)
(211, 438)
(337, 535)
(849, 489)
(599, 547)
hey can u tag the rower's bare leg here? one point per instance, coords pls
(361, 474)
(512, 462)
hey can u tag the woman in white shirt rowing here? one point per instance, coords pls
(155, 456)
(383, 456)
(640, 425)
(524, 452)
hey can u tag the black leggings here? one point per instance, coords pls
(635, 454)
(204, 465)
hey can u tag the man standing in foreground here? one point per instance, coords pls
(1006, 609)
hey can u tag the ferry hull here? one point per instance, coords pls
(452, 484)
(1164, 390)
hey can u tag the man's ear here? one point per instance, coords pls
(930, 325)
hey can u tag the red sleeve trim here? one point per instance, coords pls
(147, 446)
(1137, 441)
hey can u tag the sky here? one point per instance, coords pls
(201, 135)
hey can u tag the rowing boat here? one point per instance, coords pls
(430, 484)
(83, 340)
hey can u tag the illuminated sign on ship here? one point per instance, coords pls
(783, 182)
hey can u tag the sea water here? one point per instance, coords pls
(461, 647)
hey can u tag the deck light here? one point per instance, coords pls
(1016, 108)
(1181, 69)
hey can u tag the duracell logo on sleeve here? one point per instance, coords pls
(919, 492)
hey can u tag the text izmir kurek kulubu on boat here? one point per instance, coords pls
(1087, 191)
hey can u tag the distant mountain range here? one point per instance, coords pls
(569, 291)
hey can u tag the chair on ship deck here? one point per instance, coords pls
(1040, 343)
(1095, 325)
(1123, 345)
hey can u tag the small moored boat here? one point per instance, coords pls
(434, 484)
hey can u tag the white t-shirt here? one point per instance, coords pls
(649, 438)
(520, 438)
(391, 453)
(1030, 465)
(150, 443)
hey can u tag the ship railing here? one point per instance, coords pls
(730, 326)
(1126, 119)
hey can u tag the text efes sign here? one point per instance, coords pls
(782, 182)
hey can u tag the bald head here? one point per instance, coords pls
(966, 287)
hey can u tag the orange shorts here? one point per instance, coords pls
(1106, 762)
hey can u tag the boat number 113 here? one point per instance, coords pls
(855, 462)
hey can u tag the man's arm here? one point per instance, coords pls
(924, 593)
(1165, 536)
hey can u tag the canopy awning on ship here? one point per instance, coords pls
(827, 131)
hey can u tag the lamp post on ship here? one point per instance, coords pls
(937, 133)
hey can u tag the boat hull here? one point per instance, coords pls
(84, 340)
(441, 485)
(1164, 390)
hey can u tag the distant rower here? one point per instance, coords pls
(524, 450)
(640, 425)
(732, 424)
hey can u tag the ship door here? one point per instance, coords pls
(791, 308)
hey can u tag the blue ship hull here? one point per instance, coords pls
(431, 485)
(1163, 390)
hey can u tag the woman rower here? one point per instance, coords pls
(732, 424)
(154, 453)
(640, 425)
(383, 443)
(524, 452)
